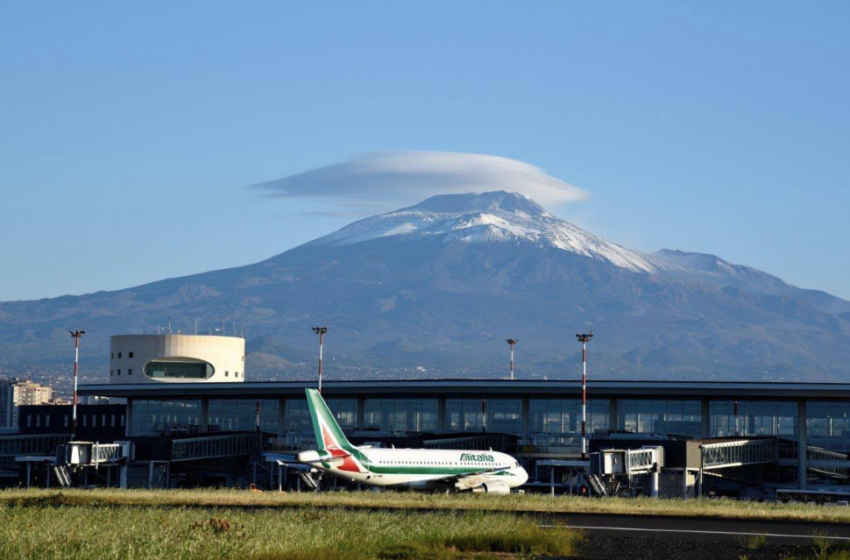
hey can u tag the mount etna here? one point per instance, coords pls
(433, 290)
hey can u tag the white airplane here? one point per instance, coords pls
(420, 469)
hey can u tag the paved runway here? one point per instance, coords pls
(779, 532)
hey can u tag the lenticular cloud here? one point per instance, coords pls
(393, 178)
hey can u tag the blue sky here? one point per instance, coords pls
(129, 132)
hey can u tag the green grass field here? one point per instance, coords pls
(211, 524)
(438, 502)
(51, 528)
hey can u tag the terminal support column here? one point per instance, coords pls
(128, 418)
(525, 417)
(360, 418)
(441, 414)
(281, 418)
(204, 420)
(802, 443)
(612, 414)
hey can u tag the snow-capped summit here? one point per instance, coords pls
(491, 217)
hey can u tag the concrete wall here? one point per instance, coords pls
(130, 353)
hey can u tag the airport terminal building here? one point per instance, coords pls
(534, 420)
(721, 438)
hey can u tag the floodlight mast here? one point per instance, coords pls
(512, 342)
(584, 339)
(321, 331)
(76, 336)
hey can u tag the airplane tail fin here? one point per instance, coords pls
(328, 432)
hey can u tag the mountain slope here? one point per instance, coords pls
(700, 267)
(433, 290)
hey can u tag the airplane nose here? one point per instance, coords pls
(523, 476)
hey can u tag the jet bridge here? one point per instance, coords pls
(216, 446)
(680, 466)
(71, 463)
(13, 445)
(737, 453)
(734, 453)
(608, 467)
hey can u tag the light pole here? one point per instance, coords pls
(321, 331)
(77, 335)
(512, 342)
(584, 339)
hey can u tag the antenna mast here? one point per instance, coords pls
(321, 331)
(512, 342)
(584, 339)
(77, 335)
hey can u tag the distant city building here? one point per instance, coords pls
(15, 393)
(176, 358)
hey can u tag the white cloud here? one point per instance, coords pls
(385, 181)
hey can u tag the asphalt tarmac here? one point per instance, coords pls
(704, 529)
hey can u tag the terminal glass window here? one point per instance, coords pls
(240, 415)
(401, 415)
(563, 416)
(557, 422)
(465, 415)
(662, 417)
(504, 416)
(178, 369)
(484, 415)
(753, 418)
(828, 438)
(152, 417)
(828, 428)
(269, 417)
(297, 416)
(345, 412)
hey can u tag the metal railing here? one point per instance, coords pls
(107, 453)
(209, 447)
(737, 453)
(815, 453)
(641, 460)
(31, 444)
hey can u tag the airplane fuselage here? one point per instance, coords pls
(484, 471)
(426, 468)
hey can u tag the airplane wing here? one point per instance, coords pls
(472, 478)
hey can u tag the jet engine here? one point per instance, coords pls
(318, 456)
(493, 487)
